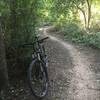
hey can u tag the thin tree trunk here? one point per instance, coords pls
(89, 13)
(83, 12)
(13, 22)
(3, 65)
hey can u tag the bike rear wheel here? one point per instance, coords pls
(38, 78)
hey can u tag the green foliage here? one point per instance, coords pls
(94, 39)
(95, 26)
(19, 19)
(72, 28)
(75, 34)
(65, 10)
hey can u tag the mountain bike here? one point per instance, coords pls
(37, 71)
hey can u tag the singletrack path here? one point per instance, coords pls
(74, 71)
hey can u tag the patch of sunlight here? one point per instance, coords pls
(40, 29)
(46, 13)
(81, 16)
(95, 9)
(62, 16)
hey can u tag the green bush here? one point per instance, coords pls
(95, 26)
(71, 28)
(94, 39)
(73, 32)
(77, 35)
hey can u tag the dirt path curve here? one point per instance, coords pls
(73, 71)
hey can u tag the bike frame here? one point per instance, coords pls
(38, 53)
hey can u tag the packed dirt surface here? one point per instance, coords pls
(74, 72)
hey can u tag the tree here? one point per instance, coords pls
(64, 7)
(3, 65)
(85, 8)
(89, 3)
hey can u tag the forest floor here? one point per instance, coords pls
(74, 72)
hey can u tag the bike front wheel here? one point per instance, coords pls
(38, 78)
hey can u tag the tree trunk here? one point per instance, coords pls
(83, 12)
(13, 22)
(89, 13)
(3, 65)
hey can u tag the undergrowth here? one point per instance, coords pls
(74, 33)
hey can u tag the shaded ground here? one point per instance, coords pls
(74, 73)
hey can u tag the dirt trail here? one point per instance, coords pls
(72, 71)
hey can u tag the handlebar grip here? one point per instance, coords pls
(43, 39)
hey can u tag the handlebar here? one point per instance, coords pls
(39, 41)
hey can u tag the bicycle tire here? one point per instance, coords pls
(43, 69)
